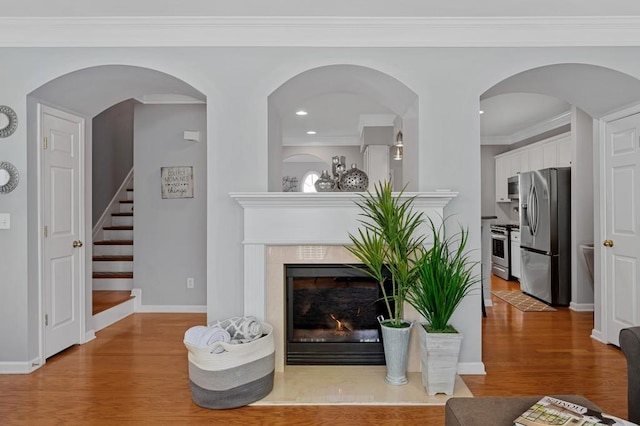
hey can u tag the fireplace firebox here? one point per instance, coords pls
(332, 315)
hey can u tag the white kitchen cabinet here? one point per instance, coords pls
(503, 168)
(536, 158)
(515, 253)
(549, 154)
(563, 151)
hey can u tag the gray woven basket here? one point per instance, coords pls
(239, 376)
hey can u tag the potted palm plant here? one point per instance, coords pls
(445, 275)
(386, 245)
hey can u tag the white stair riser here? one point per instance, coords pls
(113, 250)
(112, 266)
(129, 195)
(110, 234)
(126, 207)
(112, 283)
(122, 220)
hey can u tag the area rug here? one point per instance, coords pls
(522, 301)
(351, 385)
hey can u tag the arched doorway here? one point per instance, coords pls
(594, 95)
(85, 94)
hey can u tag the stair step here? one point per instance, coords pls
(112, 258)
(114, 243)
(122, 214)
(126, 201)
(118, 228)
(112, 284)
(122, 220)
(113, 275)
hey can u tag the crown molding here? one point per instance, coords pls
(319, 31)
(535, 130)
(316, 140)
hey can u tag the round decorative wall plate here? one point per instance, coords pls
(8, 121)
(8, 177)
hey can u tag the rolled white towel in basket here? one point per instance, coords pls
(241, 329)
(202, 337)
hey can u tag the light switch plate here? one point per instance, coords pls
(5, 221)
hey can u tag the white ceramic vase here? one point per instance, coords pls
(439, 360)
(396, 352)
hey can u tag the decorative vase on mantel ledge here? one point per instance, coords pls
(324, 183)
(354, 180)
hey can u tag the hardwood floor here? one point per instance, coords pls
(135, 372)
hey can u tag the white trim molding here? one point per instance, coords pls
(325, 31)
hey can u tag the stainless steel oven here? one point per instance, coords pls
(500, 261)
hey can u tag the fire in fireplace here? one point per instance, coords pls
(332, 315)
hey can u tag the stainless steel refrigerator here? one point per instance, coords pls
(545, 234)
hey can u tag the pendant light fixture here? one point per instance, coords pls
(398, 147)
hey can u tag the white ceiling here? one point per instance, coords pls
(373, 8)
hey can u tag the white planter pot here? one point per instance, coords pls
(396, 352)
(439, 360)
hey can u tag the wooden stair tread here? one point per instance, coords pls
(105, 299)
(126, 201)
(114, 243)
(113, 258)
(118, 228)
(113, 275)
(122, 214)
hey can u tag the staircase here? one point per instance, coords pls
(113, 254)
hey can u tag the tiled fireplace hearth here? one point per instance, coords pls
(294, 228)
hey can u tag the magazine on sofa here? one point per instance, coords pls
(553, 411)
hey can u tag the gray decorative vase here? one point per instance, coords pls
(354, 180)
(324, 183)
(396, 352)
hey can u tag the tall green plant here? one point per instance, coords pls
(445, 277)
(386, 240)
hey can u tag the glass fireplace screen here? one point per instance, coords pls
(332, 315)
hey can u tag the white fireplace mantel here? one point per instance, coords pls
(306, 219)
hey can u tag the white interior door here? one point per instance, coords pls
(621, 250)
(62, 277)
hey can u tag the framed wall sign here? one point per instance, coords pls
(177, 182)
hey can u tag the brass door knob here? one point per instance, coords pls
(77, 244)
(608, 243)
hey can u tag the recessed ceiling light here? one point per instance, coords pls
(311, 132)
(481, 112)
(301, 112)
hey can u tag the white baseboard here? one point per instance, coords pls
(488, 303)
(166, 309)
(112, 315)
(20, 367)
(89, 336)
(597, 335)
(581, 307)
(476, 368)
(172, 309)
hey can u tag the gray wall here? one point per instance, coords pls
(112, 153)
(237, 83)
(170, 234)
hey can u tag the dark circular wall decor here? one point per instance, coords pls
(8, 177)
(8, 121)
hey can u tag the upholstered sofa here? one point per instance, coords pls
(630, 345)
(499, 411)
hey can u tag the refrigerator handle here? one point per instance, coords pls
(528, 212)
(534, 210)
